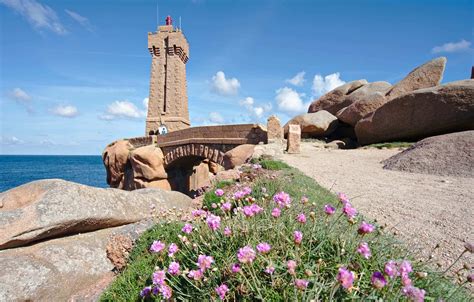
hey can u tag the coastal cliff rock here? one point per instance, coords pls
(421, 113)
(238, 156)
(317, 124)
(147, 163)
(447, 155)
(64, 208)
(115, 158)
(333, 101)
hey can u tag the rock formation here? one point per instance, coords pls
(447, 155)
(294, 139)
(238, 156)
(317, 124)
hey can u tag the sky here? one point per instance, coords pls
(74, 75)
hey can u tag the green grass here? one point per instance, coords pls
(273, 164)
(390, 145)
(328, 243)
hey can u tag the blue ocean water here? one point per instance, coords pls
(16, 170)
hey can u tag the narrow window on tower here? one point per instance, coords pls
(166, 75)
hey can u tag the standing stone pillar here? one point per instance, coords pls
(294, 139)
(274, 129)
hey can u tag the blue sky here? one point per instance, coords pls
(74, 74)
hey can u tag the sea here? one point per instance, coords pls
(16, 170)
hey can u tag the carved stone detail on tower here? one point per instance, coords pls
(168, 99)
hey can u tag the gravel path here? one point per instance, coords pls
(424, 210)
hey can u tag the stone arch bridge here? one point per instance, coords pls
(210, 142)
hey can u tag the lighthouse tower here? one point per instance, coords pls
(168, 99)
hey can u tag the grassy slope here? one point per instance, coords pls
(327, 245)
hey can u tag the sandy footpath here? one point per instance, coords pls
(424, 210)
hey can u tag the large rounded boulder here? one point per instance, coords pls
(447, 155)
(316, 124)
(147, 163)
(238, 156)
(115, 158)
(421, 113)
(334, 100)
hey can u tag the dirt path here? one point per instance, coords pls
(424, 210)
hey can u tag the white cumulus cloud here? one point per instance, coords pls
(253, 109)
(83, 21)
(452, 47)
(10, 140)
(20, 95)
(298, 79)
(65, 111)
(290, 101)
(322, 85)
(145, 103)
(216, 118)
(223, 86)
(40, 16)
(122, 110)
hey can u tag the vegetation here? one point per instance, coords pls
(283, 239)
(390, 145)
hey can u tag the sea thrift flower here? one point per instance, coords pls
(342, 198)
(173, 248)
(297, 237)
(227, 232)
(329, 209)
(157, 246)
(391, 269)
(226, 206)
(414, 294)
(219, 192)
(158, 277)
(291, 266)
(195, 275)
(235, 268)
(304, 200)
(247, 191)
(301, 218)
(263, 248)
(269, 270)
(256, 208)
(365, 228)
(222, 290)
(405, 267)
(248, 211)
(213, 221)
(246, 254)
(198, 213)
(204, 262)
(173, 268)
(364, 250)
(166, 291)
(349, 211)
(345, 277)
(276, 212)
(256, 166)
(188, 228)
(406, 281)
(239, 195)
(301, 284)
(145, 292)
(282, 199)
(378, 280)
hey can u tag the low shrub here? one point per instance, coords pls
(284, 239)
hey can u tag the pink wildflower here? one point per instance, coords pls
(276, 212)
(297, 237)
(198, 213)
(247, 190)
(406, 281)
(157, 246)
(187, 228)
(173, 268)
(166, 291)
(158, 277)
(378, 280)
(248, 211)
(226, 206)
(329, 209)
(365, 228)
(304, 199)
(204, 262)
(345, 277)
(256, 166)
(256, 208)
(414, 294)
(227, 232)
(291, 266)
(246, 254)
(342, 198)
(301, 218)
(219, 192)
(195, 275)
(364, 250)
(235, 268)
(222, 290)
(213, 221)
(349, 211)
(173, 248)
(405, 267)
(269, 270)
(301, 284)
(391, 269)
(282, 199)
(263, 247)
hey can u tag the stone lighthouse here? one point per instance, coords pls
(168, 99)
